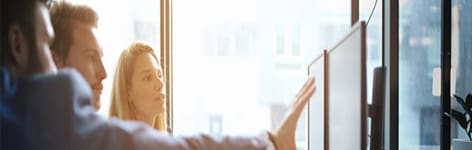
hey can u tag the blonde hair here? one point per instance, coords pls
(62, 14)
(120, 103)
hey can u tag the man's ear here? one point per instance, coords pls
(57, 60)
(18, 46)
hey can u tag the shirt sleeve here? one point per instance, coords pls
(116, 134)
(92, 131)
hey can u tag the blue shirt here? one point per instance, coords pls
(12, 136)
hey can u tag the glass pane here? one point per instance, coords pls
(461, 72)
(419, 55)
(374, 38)
(239, 63)
(138, 20)
(374, 42)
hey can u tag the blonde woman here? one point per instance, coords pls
(138, 87)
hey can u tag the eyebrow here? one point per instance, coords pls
(93, 50)
(149, 70)
(146, 70)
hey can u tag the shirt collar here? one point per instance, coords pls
(7, 87)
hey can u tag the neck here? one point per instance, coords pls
(146, 118)
(159, 123)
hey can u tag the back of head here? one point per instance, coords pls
(63, 15)
(20, 13)
(24, 27)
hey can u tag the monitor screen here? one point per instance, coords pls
(338, 111)
(346, 92)
(316, 105)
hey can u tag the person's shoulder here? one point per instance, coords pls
(71, 77)
(64, 81)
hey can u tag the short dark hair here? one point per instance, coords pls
(21, 13)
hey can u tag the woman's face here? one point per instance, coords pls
(147, 87)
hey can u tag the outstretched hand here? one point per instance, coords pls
(284, 136)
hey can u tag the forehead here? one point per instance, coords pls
(84, 36)
(145, 62)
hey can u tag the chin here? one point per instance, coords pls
(96, 103)
(161, 110)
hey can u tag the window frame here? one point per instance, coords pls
(390, 60)
(167, 58)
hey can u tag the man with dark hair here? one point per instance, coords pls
(44, 109)
(26, 34)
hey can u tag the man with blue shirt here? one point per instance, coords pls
(42, 108)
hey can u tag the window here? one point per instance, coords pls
(461, 75)
(239, 63)
(374, 37)
(372, 9)
(419, 54)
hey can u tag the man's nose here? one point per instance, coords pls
(102, 74)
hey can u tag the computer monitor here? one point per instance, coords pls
(344, 93)
(316, 119)
(346, 109)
